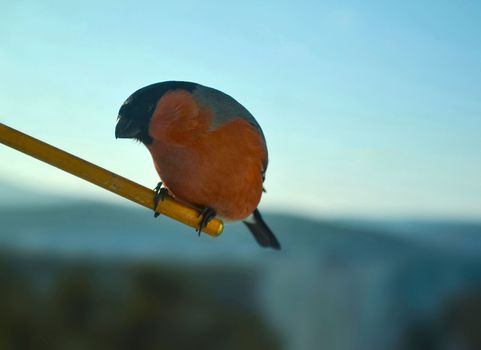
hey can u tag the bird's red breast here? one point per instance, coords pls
(219, 167)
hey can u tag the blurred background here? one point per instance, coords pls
(372, 114)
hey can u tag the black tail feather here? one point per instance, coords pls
(261, 232)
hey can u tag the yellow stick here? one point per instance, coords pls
(104, 178)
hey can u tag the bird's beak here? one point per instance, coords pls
(126, 129)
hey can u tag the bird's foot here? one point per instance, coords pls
(160, 194)
(207, 214)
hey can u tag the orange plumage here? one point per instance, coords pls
(220, 168)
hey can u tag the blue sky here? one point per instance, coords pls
(369, 108)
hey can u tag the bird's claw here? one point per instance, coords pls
(160, 194)
(207, 214)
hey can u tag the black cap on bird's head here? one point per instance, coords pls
(136, 112)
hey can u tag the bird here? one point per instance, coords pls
(207, 148)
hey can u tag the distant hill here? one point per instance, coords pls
(105, 228)
(56, 219)
(16, 195)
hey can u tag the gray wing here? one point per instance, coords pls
(225, 108)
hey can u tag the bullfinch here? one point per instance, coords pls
(209, 151)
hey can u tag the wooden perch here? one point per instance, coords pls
(104, 178)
